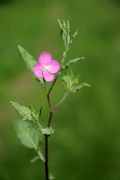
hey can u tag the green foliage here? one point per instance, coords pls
(82, 85)
(47, 131)
(65, 32)
(66, 36)
(29, 137)
(51, 177)
(29, 113)
(36, 158)
(30, 62)
(71, 83)
(70, 62)
(24, 111)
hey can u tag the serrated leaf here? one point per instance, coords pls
(30, 62)
(29, 137)
(66, 65)
(22, 110)
(47, 131)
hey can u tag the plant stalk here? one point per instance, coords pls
(46, 158)
(49, 124)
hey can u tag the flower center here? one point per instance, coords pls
(46, 67)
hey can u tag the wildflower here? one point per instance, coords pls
(46, 67)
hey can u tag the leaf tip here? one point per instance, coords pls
(11, 102)
(19, 47)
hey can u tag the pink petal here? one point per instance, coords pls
(45, 58)
(48, 76)
(54, 67)
(37, 69)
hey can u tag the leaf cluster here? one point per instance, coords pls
(29, 128)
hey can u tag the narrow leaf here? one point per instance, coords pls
(82, 85)
(60, 23)
(22, 110)
(29, 60)
(74, 35)
(40, 154)
(72, 62)
(34, 159)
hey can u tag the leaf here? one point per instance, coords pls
(40, 154)
(29, 137)
(22, 110)
(71, 83)
(72, 62)
(74, 35)
(34, 159)
(47, 131)
(60, 23)
(82, 85)
(31, 124)
(51, 177)
(30, 62)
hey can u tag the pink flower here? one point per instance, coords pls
(46, 67)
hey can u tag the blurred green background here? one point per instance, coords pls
(86, 143)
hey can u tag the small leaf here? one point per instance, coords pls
(60, 23)
(74, 35)
(22, 110)
(29, 137)
(40, 154)
(72, 62)
(47, 131)
(34, 159)
(30, 62)
(51, 177)
(82, 85)
(71, 83)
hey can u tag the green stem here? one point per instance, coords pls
(64, 55)
(60, 101)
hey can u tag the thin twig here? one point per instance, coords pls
(60, 101)
(50, 118)
(48, 94)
